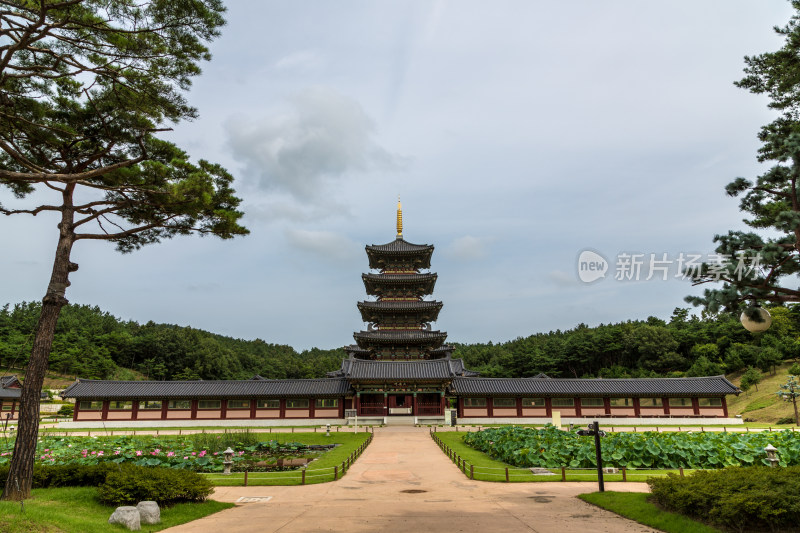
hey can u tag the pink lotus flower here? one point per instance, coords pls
(138, 453)
(194, 453)
(185, 457)
(116, 452)
(170, 454)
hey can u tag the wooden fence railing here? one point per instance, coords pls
(303, 476)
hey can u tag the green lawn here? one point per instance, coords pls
(77, 510)
(634, 505)
(318, 471)
(488, 469)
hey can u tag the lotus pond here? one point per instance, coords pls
(550, 447)
(202, 453)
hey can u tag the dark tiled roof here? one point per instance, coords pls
(401, 306)
(266, 388)
(400, 245)
(7, 393)
(427, 311)
(399, 251)
(437, 369)
(380, 284)
(714, 385)
(366, 339)
(9, 388)
(9, 381)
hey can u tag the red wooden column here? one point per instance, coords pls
(414, 405)
(441, 403)
(607, 405)
(577, 402)
(341, 407)
(665, 405)
(519, 407)
(548, 407)
(78, 408)
(312, 405)
(134, 409)
(283, 408)
(385, 404)
(489, 406)
(104, 412)
(724, 407)
(696, 406)
(637, 410)
(193, 414)
(253, 408)
(164, 404)
(460, 407)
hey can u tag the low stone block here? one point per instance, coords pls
(126, 515)
(149, 513)
(293, 462)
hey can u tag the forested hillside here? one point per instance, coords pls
(91, 343)
(684, 346)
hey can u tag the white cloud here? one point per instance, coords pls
(563, 279)
(299, 60)
(467, 248)
(319, 137)
(327, 244)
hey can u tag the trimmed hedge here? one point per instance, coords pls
(167, 486)
(123, 484)
(72, 475)
(740, 498)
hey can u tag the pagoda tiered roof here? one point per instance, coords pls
(368, 339)
(399, 250)
(419, 284)
(422, 310)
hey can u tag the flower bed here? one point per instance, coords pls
(550, 448)
(164, 451)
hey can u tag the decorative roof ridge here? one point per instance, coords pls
(613, 379)
(286, 380)
(399, 239)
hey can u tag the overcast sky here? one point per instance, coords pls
(517, 133)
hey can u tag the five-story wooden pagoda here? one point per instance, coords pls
(399, 319)
(399, 364)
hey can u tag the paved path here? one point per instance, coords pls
(404, 483)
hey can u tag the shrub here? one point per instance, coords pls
(785, 420)
(739, 498)
(71, 475)
(795, 369)
(130, 484)
(66, 410)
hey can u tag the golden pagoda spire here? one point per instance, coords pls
(399, 218)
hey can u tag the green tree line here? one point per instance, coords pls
(90, 343)
(686, 345)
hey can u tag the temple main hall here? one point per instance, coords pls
(400, 370)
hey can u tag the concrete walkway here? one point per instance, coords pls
(404, 483)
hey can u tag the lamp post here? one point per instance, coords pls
(594, 430)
